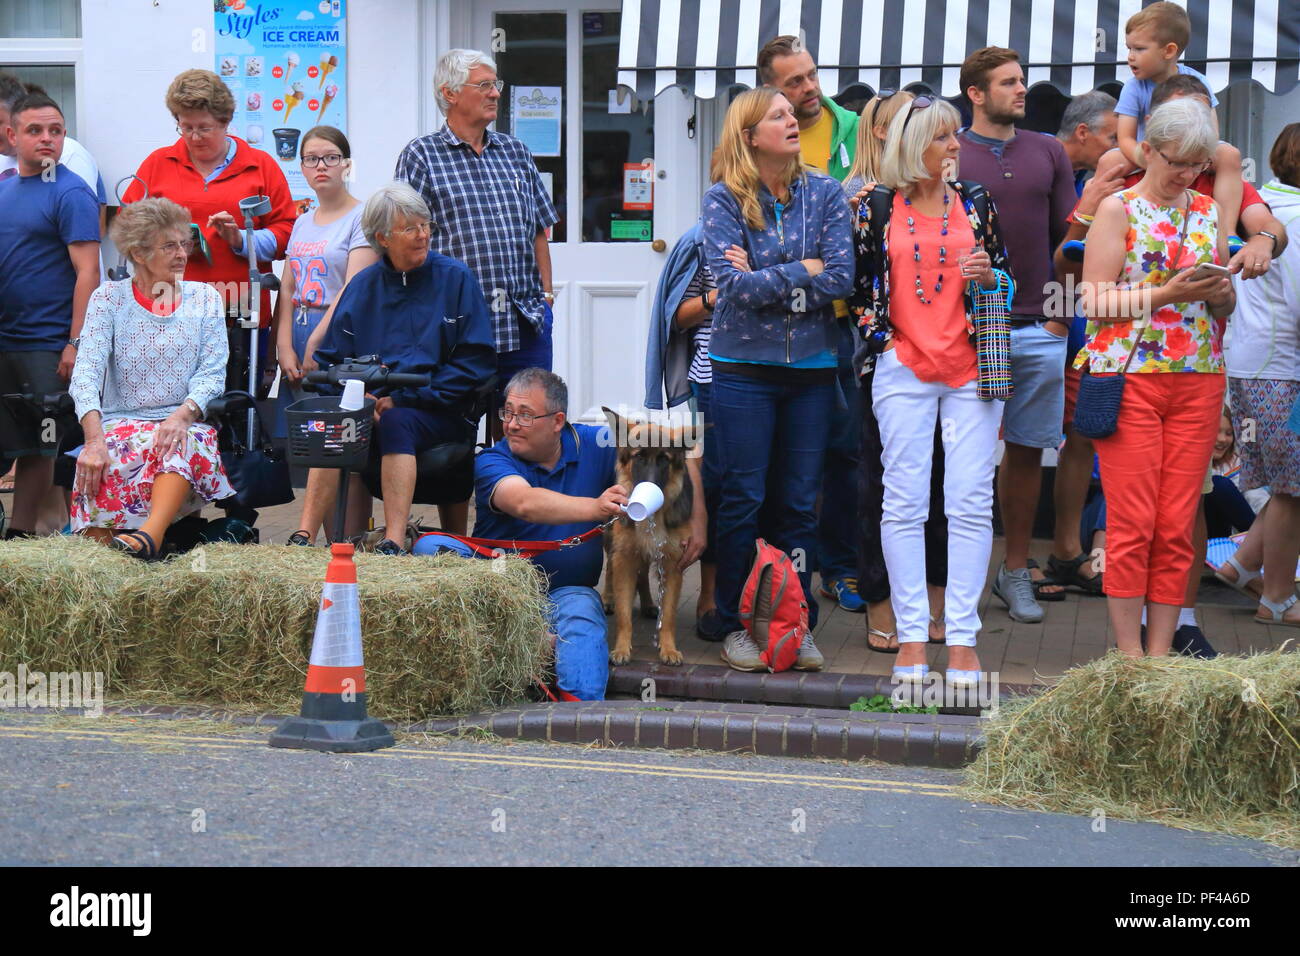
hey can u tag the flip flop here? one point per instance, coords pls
(887, 635)
(1047, 581)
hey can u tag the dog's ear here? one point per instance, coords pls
(617, 429)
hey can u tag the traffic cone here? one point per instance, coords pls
(334, 700)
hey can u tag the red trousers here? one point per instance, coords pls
(1152, 471)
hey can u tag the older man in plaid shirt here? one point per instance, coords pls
(490, 209)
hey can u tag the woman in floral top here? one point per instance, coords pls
(1142, 250)
(152, 355)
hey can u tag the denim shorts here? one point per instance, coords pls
(1033, 414)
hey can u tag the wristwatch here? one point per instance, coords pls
(76, 342)
(708, 306)
(1271, 236)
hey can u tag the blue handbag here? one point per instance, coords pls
(1096, 412)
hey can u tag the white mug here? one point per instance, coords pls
(645, 500)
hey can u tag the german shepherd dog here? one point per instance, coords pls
(655, 453)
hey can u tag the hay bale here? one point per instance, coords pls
(234, 624)
(1173, 739)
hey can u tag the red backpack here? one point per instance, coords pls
(773, 608)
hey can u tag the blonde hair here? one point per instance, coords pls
(1166, 22)
(137, 225)
(877, 112)
(201, 90)
(902, 164)
(733, 161)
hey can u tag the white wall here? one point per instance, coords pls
(134, 48)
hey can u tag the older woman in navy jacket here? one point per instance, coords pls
(778, 241)
(421, 313)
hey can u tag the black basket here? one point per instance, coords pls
(322, 435)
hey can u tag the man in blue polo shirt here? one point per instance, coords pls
(49, 266)
(552, 479)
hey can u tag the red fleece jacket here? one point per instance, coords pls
(252, 172)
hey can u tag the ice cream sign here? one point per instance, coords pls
(285, 63)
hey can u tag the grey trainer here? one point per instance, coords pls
(1016, 589)
(741, 653)
(809, 659)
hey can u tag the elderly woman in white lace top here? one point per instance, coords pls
(152, 355)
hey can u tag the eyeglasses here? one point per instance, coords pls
(1186, 167)
(920, 103)
(329, 160)
(415, 229)
(202, 132)
(171, 248)
(523, 418)
(486, 85)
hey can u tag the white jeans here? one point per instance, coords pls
(906, 408)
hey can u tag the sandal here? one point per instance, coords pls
(887, 635)
(937, 622)
(1242, 582)
(1047, 582)
(1066, 574)
(148, 550)
(1278, 610)
(300, 538)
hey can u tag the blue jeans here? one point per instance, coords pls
(837, 537)
(757, 423)
(581, 647)
(536, 350)
(710, 467)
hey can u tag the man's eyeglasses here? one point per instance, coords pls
(486, 85)
(171, 248)
(415, 229)
(523, 418)
(920, 103)
(202, 132)
(1186, 167)
(330, 160)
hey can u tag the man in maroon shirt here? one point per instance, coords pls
(1032, 183)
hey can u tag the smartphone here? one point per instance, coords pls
(200, 244)
(1208, 270)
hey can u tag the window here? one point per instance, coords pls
(31, 19)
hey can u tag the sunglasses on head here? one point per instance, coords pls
(920, 103)
(881, 96)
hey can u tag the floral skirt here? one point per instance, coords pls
(127, 489)
(1269, 451)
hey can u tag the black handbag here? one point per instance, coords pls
(1096, 412)
(260, 478)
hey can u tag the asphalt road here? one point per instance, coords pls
(145, 792)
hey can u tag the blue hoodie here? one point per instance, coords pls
(669, 350)
(432, 319)
(778, 313)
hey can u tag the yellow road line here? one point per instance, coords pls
(520, 760)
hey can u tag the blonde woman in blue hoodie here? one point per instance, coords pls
(778, 241)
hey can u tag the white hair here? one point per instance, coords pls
(902, 164)
(1185, 126)
(384, 207)
(452, 72)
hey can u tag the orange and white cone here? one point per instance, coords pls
(334, 699)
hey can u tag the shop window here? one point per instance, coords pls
(617, 142)
(31, 19)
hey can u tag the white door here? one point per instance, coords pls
(624, 180)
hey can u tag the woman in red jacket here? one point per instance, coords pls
(208, 172)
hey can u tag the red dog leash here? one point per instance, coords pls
(495, 547)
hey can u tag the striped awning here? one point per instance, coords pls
(706, 46)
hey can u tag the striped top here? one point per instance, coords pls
(701, 368)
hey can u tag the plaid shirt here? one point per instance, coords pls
(487, 210)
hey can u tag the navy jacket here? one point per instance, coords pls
(778, 312)
(431, 320)
(669, 351)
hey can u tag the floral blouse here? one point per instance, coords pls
(1182, 336)
(869, 301)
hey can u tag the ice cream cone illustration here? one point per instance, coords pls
(327, 66)
(331, 91)
(291, 99)
(291, 63)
